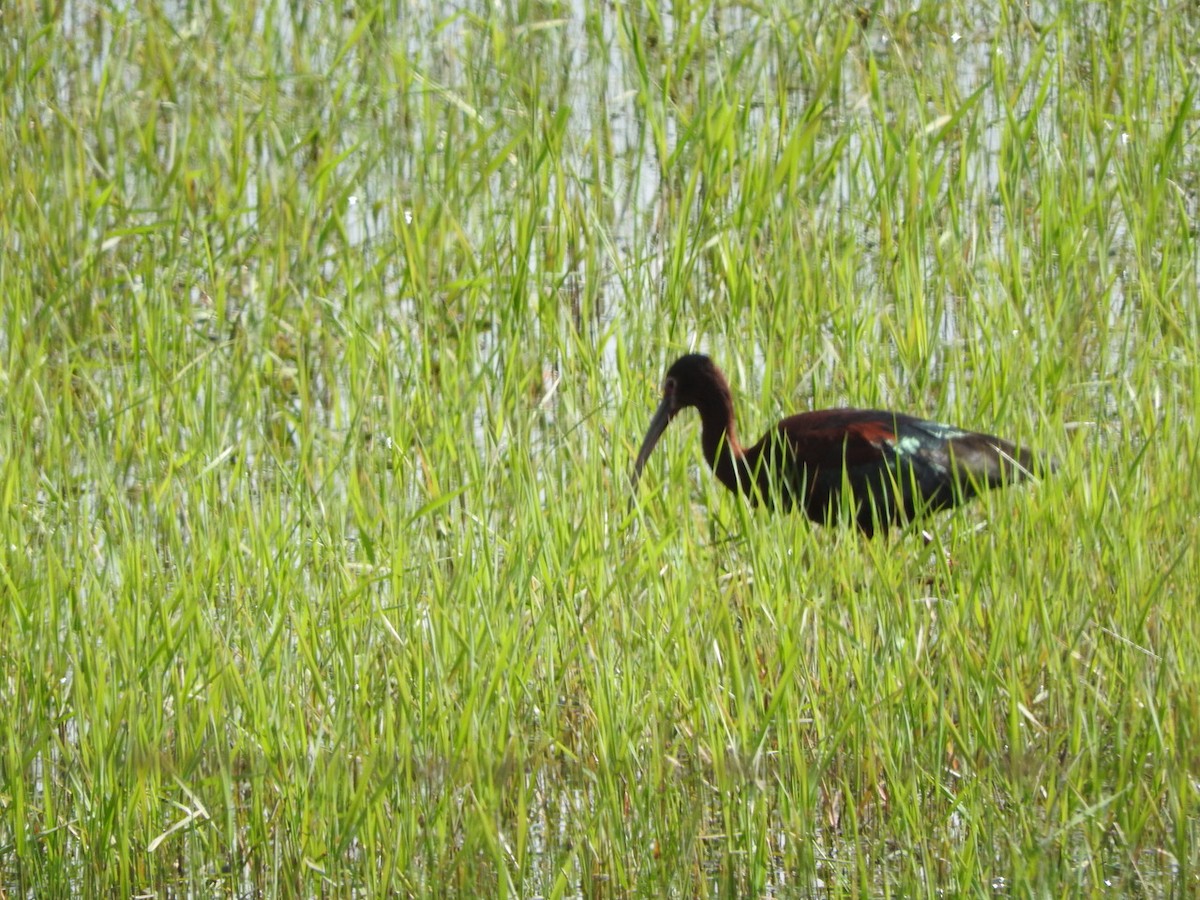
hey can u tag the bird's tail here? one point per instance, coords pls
(984, 460)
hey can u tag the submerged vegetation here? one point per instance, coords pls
(328, 334)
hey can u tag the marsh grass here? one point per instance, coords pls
(328, 335)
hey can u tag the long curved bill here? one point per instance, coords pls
(658, 424)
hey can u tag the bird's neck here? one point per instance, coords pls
(721, 448)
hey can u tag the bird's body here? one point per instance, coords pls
(894, 466)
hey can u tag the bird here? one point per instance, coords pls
(895, 467)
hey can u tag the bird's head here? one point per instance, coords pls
(690, 380)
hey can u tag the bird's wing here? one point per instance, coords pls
(841, 437)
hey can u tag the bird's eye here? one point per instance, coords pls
(669, 386)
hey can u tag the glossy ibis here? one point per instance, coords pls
(895, 466)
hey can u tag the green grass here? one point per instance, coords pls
(329, 332)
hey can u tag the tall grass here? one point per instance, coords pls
(328, 335)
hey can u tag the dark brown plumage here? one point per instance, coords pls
(895, 466)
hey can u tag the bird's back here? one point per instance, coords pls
(895, 466)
